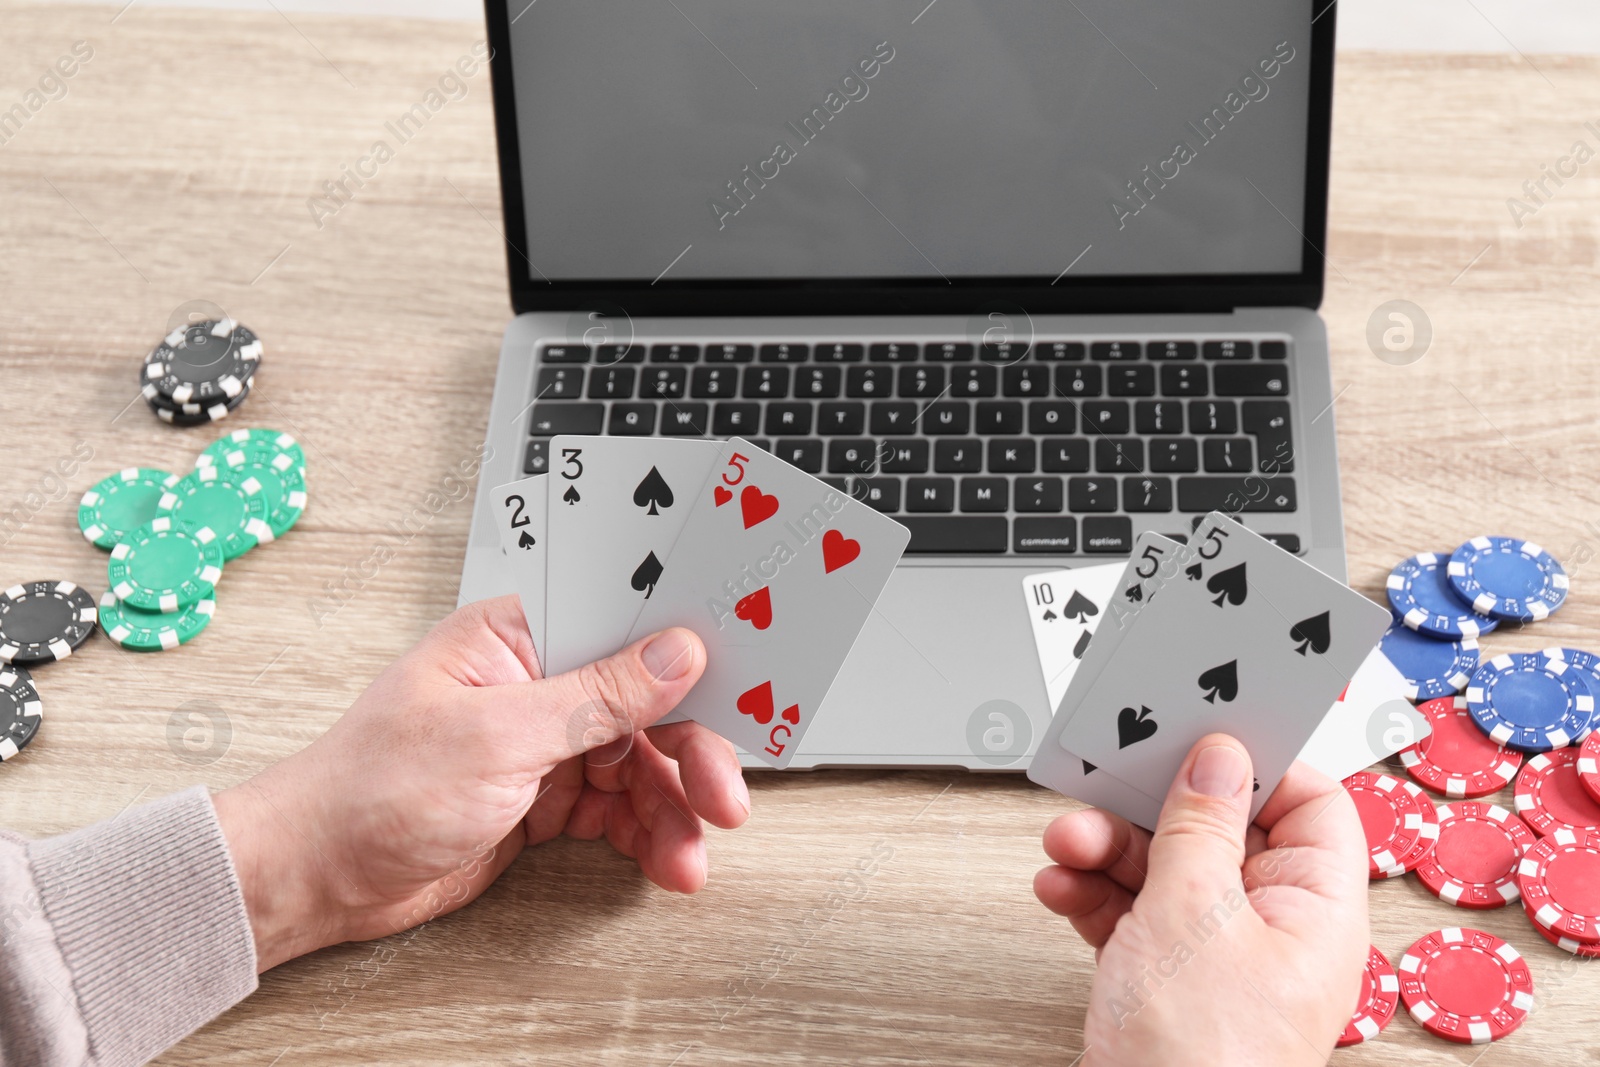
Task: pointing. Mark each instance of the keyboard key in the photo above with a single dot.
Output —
(1053, 535)
(664, 383)
(999, 416)
(868, 381)
(551, 418)
(1158, 416)
(1027, 379)
(674, 353)
(730, 353)
(1076, 380)
(890, 417)
(1176, 455)
(844, 417)
(611, 383)
(1058, 351)
(1092, 494)
(1228, 349)
(894, 352)
(564, 354)
(1105, 416)
(904, 456)
(632, 419)
(973, 381)
(802, 452)
(985, 494)
(818, 383)
(769, 382)
(1251, 380)
(788, 418)
(1213, 416)
(1038, 494)
(714, 382)
(1268, 421)
(1136, 379)
(1169, 350)
(1147, 494)
(837, 352)
(947, 417)
(880, 494)
(958, 457)
(1011, 455)
(921, 383)
(1064, 455)
(1112, 350)
(1287, 542)
(851, 455)
(536, 457)
(930, 494)
(684, 419)
(1180, 380)
(947, 352)
(1231, 455)
(785, 352)
(763, 443)
(1232, 494)
(955, 534)
(1052, 416)
(1278, 350)
(735, 420)
(1109, 534)
(612, 355)
(1119, 455)
(559, 383)
(1002, 351)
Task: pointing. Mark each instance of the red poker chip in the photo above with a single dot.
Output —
(1560, 882)
(1427, 832)
(1577, 948)
(1380, 996)
(1458, 759)
(1391, 819)
(1474, 862)
(1465, 985)
(1589, 765)
(1550, 795)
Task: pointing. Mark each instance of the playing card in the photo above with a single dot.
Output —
(615, 507)
(1371, 719)
(520, 518)
(1064, 608)
(777, 572)
(1251, 642)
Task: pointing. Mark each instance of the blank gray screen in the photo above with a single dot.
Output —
(742, 139)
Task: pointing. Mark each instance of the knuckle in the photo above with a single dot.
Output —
(608, 688)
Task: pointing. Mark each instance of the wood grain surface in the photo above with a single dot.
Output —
(178, 167)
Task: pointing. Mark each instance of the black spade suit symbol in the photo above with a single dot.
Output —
(1134, 726)
(526, 540)
(1134, 593)
(571, 495)
(1082, 645)
(1195, 571)
(1229, 585)
(653, 492)
(1313, 632)
(1221, 681)
(1079, 608)
(646, 576)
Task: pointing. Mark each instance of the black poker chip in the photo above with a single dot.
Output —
(194, 413)
(41, 622)
(20, 711)
(206, 363)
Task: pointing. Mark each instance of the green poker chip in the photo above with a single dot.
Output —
(235, 509)
(121, 503)
(271, 473)
(165, 565)
(152, 631)
(238, 439)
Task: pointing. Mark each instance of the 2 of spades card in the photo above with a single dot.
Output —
(777, 572)
(1250, 641)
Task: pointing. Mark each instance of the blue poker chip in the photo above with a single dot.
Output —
(1421, 593)
(1432, 668)
(1531, 702)
(1508, 579)
(1589, 665)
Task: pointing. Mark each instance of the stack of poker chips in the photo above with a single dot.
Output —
(200, 373)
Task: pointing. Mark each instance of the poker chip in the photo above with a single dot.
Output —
(1585, 662)
(122, 502)
(1427, 832)
(1550, 796)
(1588, 765)
(274, 474)
(1560, 882)
(165, 565)
(1391, 819)
(206, 363)
(1465, 985)
(194, 412)
(41, 622)
(236, 509)
(1507, 579)
(152, 631)
(20, 711)
(1431, 667)
(1380, 996)
(1577, 948)
(1457, 758)
(238, 439)
(1421, 593)
(1530, 702)
(1474, 862)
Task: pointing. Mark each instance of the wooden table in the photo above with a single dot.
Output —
(178, 167)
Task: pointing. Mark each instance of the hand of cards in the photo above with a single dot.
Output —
(775, 571)
(1226, 634)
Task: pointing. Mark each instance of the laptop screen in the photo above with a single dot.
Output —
(841, 139)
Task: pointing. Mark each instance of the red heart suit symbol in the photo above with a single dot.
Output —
(758, 507)
(756, 609)
(721, 495)
(838, 550)
(791, 714)
(757, 703)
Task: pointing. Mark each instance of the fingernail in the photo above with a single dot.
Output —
(1218, 772)
(668, 656)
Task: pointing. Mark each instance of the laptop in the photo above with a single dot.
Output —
(1032, 278)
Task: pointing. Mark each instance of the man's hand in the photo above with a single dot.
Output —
(457, 757)
(1219, 943)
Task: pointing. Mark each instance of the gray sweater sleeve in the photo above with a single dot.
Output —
(119, 939)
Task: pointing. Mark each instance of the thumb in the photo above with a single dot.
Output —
(602, 701)
(1199, 839)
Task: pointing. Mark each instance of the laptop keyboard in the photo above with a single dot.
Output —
(977, 449)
